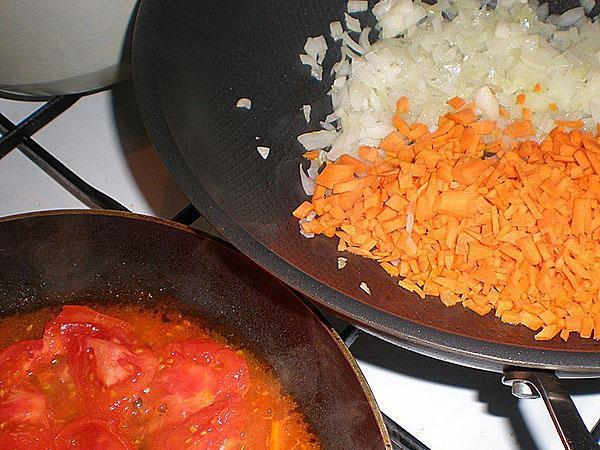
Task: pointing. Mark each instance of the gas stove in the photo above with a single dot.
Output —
(93, 152)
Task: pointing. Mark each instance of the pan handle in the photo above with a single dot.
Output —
(564, 414)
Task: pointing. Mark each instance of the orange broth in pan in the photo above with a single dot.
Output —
(127, 378)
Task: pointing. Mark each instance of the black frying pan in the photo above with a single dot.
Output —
(191, 64)
(49, 259)
(192, 61)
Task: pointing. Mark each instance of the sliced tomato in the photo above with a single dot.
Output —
(109, 366)
(91, 434)
(20, 361)
(76, 321)
(193, 375)
(23, 407)
(110, 376)
(217, 427)
(199, 365)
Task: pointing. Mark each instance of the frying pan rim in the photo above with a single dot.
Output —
(331, 333)
(455, 348)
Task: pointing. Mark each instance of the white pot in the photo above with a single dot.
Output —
(53, 47)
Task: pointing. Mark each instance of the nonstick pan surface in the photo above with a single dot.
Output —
(192, 62)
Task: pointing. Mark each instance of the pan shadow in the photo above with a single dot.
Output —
(155, 183)
(500, 402)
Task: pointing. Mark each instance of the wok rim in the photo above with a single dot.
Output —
(444, 345)
(309, 308)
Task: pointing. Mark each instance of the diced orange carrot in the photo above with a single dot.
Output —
(537, 88)
(417, 131)
(368, 153)
(570, 123)
(516, 233)
(456, 102)
(401, 125)
(503, 112)
(463, 117)
(402, 105)
(312, 154)
(303, 210)
(547, 333)
(581, 214)
(521, 99)
(484, 126)
(359, 166)
(519, 129)
(357, 184)
(553, 107)
(468, 170)
(335, 173)
(455, 203)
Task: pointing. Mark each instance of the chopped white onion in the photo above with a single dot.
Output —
(486, 56)
(316, 71)
(587, 5)
(487, 103)
(571, 17)
(244, 103)
(352, 23)
(263, 151)
(352, 44)
(543, 11)
(316, 47)
(308, 184)
(306, 110)
(331, 118)
(336, 30)
(317, 140)
(327, 126)
(363, 39)
(365, 288)
(357, 6)
(306, 235)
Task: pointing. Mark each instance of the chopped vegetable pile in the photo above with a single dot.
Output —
(475, 213)
(456, 47)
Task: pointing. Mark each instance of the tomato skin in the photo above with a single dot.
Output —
(21, 406)
(217, 427)
(193, 375)
(200, 365)
(90, 434)
(109, 366)
(24, 416)
(75, 321)
(20, 360)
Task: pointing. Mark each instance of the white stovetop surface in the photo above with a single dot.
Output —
(102, 139)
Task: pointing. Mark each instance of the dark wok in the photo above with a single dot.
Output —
(191, 63)
(88, 257)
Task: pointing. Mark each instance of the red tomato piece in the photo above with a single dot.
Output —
(23, 407)
(75, 321)
(110, 367)
(193, 375)
(110, 376)
(91, 434)
(20, 360)
(25, 439)
(218, 427)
